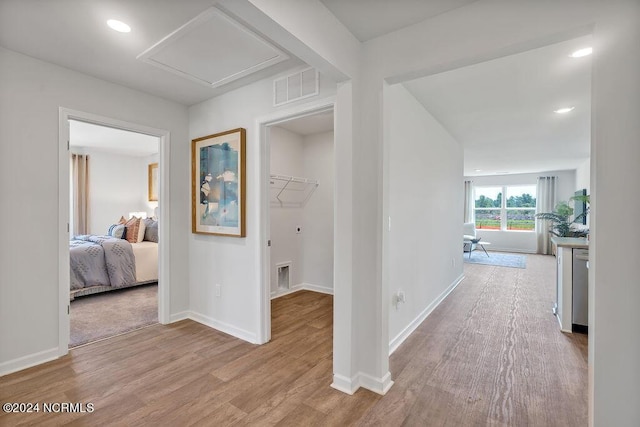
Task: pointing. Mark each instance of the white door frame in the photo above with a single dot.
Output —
(264, 303)
(164, 294)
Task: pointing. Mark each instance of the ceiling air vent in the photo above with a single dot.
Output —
(293, 87)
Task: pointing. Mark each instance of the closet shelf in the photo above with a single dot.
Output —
(291, 191)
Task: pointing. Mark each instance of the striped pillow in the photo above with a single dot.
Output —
(117, 231)
(135, 230)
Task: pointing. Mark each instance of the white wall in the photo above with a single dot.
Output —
(112, 195)
(424, 170)
(286, 245)
(494, 28)
(318, 212)
(583, 176)
(31, 92)
(234, 263)
(521, 241)
(614, 341)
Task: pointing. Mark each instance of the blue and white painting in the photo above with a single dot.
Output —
(219, 163)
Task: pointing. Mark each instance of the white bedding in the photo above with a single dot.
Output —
(146, 254)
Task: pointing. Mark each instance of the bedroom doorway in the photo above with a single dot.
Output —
(117, 292)
(132, 166)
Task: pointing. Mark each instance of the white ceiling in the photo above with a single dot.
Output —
(74, 34)
(502, 111)
(308, 125)
(367, 19)
(111, 140)
(200, 50)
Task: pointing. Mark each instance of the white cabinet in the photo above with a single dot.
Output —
(564, 288)
(563, 307)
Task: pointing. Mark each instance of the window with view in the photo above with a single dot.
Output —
(511, 208)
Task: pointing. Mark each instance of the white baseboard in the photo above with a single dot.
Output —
(376, 385)
(404, 334)
(351, 385)
(345, 384)
(28, 361)
(302, 287)
(176, 317)
(317, 288)
(224, 327)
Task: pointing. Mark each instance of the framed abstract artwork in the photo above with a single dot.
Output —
(218, 184)
(153, 182)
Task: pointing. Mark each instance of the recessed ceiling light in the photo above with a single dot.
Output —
(582, 52)
(118, 26)
(478, 170)
(564, 110)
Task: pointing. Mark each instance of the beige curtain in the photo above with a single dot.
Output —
(79, 194)
(468, 201)
(545, 202)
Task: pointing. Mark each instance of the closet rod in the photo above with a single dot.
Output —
(290, 179)
(294, 179)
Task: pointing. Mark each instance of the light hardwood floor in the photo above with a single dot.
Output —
(490, 354)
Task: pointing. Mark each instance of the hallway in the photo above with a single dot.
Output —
(490, 354)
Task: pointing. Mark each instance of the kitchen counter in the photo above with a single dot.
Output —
(571, 242)
(563, 307)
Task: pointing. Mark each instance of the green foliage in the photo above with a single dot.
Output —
(560, 218)
(523, 201)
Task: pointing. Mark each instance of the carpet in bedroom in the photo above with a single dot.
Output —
(99, 316)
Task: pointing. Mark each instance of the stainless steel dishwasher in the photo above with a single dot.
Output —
(580, 285)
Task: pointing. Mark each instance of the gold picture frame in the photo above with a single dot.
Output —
(153, 182)
(218, 180)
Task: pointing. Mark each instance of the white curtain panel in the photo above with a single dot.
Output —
(468, 201)
(546, 202)
(79, 193)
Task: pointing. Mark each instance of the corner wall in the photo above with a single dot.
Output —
(425, 212)
(310, 251)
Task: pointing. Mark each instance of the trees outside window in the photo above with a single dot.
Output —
(506, 208)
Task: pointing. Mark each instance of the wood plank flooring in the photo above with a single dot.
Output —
(490, 354)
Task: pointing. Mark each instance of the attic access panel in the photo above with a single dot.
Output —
(213, 49)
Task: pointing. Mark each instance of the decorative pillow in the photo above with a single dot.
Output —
(151, 230)
(135, 230)
(122, 220)
(117, 230)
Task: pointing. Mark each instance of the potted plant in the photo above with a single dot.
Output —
(562, 225)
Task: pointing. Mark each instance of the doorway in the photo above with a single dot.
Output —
(116, 292)
(297, 205)
(162, 210)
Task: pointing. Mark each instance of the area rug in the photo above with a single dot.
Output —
(99, 316)
(496, 258)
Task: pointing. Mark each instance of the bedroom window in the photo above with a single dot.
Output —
(506, 207)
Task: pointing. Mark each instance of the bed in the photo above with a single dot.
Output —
(107, 262)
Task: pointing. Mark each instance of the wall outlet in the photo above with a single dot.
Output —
(217, 290)
(401, 297)
(298, 229)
